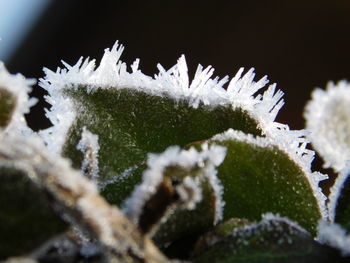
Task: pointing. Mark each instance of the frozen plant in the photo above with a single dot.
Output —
(159, 169)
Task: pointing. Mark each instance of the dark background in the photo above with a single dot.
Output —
(299, 44)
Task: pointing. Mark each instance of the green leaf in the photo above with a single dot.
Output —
(274, 239)
(258, 177)
(219, 233)
(27, 219)
(7, 107)
(131, 123)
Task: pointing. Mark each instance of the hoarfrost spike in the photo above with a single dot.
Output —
(174, 83)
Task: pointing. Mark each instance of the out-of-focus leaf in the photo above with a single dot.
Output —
(27, 219)
(273, 240)
(77, 198)
(218, 234)
(328, 119)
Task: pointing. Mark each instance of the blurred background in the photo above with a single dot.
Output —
(299, 44)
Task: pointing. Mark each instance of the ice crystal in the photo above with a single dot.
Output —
(270, 222)
(328, 118)
(89, 146)
(335, 236)
(19, 87)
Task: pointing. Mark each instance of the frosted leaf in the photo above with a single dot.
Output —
(89, 146)
(243, 95)
(328, 119)
(270, 223)
(266, 176)
(16, 89)
(24, 204)
(299, 157)
(273, 239)
(335, 236)
(206, 161)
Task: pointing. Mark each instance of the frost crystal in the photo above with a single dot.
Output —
(89, 146)
(335, 236)
(190, 192)
(174, 156)
(328, 118)
(298, 156)
(271, 223)
(336, 190)
(19, 87)
(175, 83)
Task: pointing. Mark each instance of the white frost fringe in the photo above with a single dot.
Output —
(270, 222)
(335, 236)
(153, 176)
(19, 86)
(336, 191)
(328, 118)
(89, 146)
(241, 92)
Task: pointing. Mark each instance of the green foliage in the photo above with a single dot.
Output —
(26, 216)
(271, 240)
(260, 179)
(187, 188)
(131, 124)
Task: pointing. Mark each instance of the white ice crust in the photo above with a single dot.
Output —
(328, 119)
(269, 222)
(20, 87)
(210, 157)
(335, 236)
(336, 190)
(89, 146)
